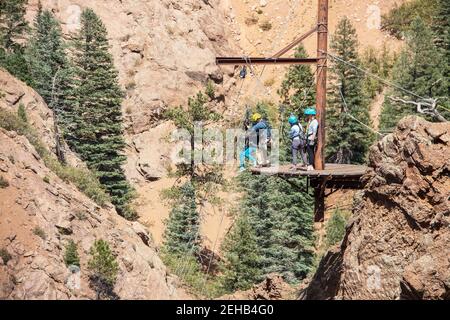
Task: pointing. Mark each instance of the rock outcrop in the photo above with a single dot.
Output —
(272, 288)
(164, 51)
(14, 93)
(40, 213)
(397, 244)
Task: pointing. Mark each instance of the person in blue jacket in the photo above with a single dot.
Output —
(253, 137)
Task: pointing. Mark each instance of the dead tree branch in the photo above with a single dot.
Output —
(425, 106)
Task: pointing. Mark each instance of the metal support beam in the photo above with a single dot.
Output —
(321, 101)
(294, 43)
(296, 186)
(246, 61)
(319, 203)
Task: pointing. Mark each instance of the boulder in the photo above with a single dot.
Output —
(397, 245)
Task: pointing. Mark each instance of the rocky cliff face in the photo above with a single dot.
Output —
(165, 52)
(397, 245)
(39, 213)
(272, 288)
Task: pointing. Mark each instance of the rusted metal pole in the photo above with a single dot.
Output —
(294, 43)
(319, 202)
(260, 60)
(322, 49)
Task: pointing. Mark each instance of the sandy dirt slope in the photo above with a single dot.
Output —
(216, 220)
(290, 19)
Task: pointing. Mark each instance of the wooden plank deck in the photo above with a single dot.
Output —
(331, 170)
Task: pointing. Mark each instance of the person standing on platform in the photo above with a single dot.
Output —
(297, 136)
(311, 136)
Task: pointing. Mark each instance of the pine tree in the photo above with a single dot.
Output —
(13, 25)
(399, 20)
(71, 257)
(198, 112)
(97, 134)
(441, 28)
(297, 92)
(104, 269)
(414, 72)
(241, 265)
(298, 89)
(182, 232)
(290, 253)
(347, 141)
(281, 218)
(335, 229)
(13, 32)
(52, 75)
(182, 238)
(47, 56)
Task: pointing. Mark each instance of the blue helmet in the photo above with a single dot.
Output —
(293, 120)
(310, 112)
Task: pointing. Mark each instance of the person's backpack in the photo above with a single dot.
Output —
(302, 134)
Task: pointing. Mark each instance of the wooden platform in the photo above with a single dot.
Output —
(331, 170)
(333, 178)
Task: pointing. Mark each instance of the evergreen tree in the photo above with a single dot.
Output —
(13, 32)
(335, 229)
(46, 55)
(51, 72)
(97, 134)
(298, 86)
(290, 253)
(182, 232)
(104, 269)
(379, 64)
(13, 25)
(182, 238)
(281, 218)
(414, 71)
(441, 28)
(71, 257)
(21, 113)
(241, 264)
(198, 112)
(347, 141)
(297, 92)
(399, 20)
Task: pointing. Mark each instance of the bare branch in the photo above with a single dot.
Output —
(424, 106)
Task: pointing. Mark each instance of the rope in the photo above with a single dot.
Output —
(240, 90)
(387, 82)
(310, 87)
(351, 116)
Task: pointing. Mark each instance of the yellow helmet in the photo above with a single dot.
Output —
(256, 117)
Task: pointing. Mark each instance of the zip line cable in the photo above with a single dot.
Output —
(387, 82)
(352, 117)
(317, 72)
